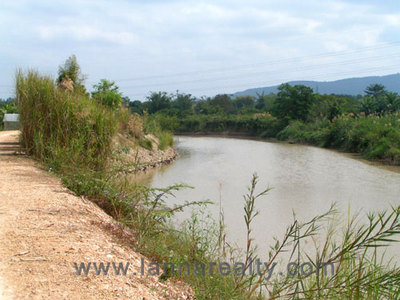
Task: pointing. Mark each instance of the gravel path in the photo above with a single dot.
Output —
(44, 229)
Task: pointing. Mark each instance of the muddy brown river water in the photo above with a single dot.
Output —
(305, 180)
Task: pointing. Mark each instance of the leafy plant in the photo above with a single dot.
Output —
(107, 93)
(146, 143)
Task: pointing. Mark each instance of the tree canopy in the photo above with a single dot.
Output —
(375, 90)
(157, 101)
(293, 102)
(107, 93)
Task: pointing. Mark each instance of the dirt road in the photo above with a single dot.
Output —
(45, 229)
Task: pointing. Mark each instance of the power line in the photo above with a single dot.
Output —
(390, 45)
(277, 81)
(240, 76)
(272, 62)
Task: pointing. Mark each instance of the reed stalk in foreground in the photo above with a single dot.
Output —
(346, 265)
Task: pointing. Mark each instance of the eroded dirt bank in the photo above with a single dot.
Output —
(45, 229)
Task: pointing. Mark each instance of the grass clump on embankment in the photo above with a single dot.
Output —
(160, 130)
(61, 128)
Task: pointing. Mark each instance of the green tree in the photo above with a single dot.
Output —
(107, 93)
(204, 107)
(157, 101)
(222, 103)
(335, 108)
(183, 102)
(379, 101)
(369, 105)
(375, 90)
(393, 101)
(136, 106)
(72, 71)
(244, 102)
(293, 102)
(328, 106)
(265, 102)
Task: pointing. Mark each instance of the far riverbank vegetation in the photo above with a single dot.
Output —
(368, 124)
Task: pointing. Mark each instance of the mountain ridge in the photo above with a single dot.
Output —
(348, 86)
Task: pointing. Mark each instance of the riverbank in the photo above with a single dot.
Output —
(45, 229)
(375, 136)
(130, 153)
(359, 156)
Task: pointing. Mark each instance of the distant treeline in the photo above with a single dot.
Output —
(368, 124)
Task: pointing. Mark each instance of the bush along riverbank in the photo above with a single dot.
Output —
(376, 137)
(72, 134)
(368, 124)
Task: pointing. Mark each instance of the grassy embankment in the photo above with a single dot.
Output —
(71, 134)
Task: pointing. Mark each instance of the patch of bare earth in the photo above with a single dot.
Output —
(45, 229)
(144, 159)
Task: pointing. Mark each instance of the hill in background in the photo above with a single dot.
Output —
(350, 86)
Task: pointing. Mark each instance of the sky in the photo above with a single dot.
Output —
(200, 47)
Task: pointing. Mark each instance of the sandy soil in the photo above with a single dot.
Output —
(44, 229)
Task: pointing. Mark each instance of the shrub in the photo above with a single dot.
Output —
(166, 140)
(248, 124)
(307, 133)
(107, 93)
(376, 137)
(146, 143)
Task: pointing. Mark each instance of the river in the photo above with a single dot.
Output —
(304, 179)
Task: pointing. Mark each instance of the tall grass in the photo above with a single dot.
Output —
(60, 127)
(155, 126)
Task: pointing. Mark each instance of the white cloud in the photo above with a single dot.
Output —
(85, 33)
(392, 19)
